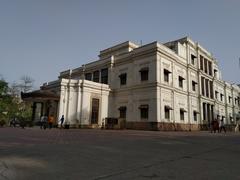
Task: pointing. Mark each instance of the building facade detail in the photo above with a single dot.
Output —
(171, 86)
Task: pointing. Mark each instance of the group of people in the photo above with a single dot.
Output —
(47, 121)
(218, 126)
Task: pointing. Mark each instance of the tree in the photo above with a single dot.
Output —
(15, 90)
(5, 102)
(11, 104)
(26, 83)
(3, 87)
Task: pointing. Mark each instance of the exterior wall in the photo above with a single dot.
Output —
(236, 103)
(180, 58)
(132, 100)
(132, 68)
(181, 103)
(166, 99)
(75, 101)
(228, 103)
(220, 109)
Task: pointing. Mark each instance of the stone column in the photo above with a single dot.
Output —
(212, 112)
(78, 108)
(188, 86)
(208, 114)
(62, 101)
(81, 103)
(33, 110)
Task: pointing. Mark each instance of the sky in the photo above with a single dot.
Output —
(40, 38)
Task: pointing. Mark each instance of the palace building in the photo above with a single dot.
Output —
(172, 86)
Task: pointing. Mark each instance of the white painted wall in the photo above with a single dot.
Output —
(75, 101)
(76, 95)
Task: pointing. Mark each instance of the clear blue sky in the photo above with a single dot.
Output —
(40, 38)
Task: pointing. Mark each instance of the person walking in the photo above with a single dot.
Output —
(61, 121)
(237, 127)
(212, 126)
(44, 122)
(50, 121)
(222, 126)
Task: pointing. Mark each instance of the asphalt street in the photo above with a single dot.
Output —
(32, 154)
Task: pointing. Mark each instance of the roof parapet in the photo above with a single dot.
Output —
(118, 49)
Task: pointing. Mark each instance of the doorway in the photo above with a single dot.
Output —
(95, 111)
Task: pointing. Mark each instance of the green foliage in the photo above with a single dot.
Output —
(11, 106)
(3, 87)
(4, 101)
(2, 123)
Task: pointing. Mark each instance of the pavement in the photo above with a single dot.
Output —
(61, 154)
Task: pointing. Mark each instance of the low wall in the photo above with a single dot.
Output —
(162, 126)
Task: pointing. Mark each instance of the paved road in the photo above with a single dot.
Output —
(114, 154)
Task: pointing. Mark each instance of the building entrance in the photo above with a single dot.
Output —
(95, 111)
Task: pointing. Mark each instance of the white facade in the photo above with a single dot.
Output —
(176, 85)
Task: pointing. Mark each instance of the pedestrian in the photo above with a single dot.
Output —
(212, 126)
(41, 121)
(50, 121)
(237, 128)
(215, 126)
(44, 122)
(61, 121)
(222, 126)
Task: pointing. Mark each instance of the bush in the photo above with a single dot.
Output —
(2, 123)
(25, 122)
(29, 123)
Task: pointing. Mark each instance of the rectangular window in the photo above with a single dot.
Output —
(204, 111)
(144, 74)
(123, 79)
(96, 76)
(144, 111)
(182, 111)
(202, 85)
(167, 112)
(201, 62)
(194, 85)
(215, 72)
(180, 81)
(193, 59)
(207, 87)
(210, 68)
(221, 97)
(122, 111)
(104, 76)
(88, 76)
(229, 99)
(166, 75)
(216, 94)
(205, 65)
(195, 115)
(211, 89)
